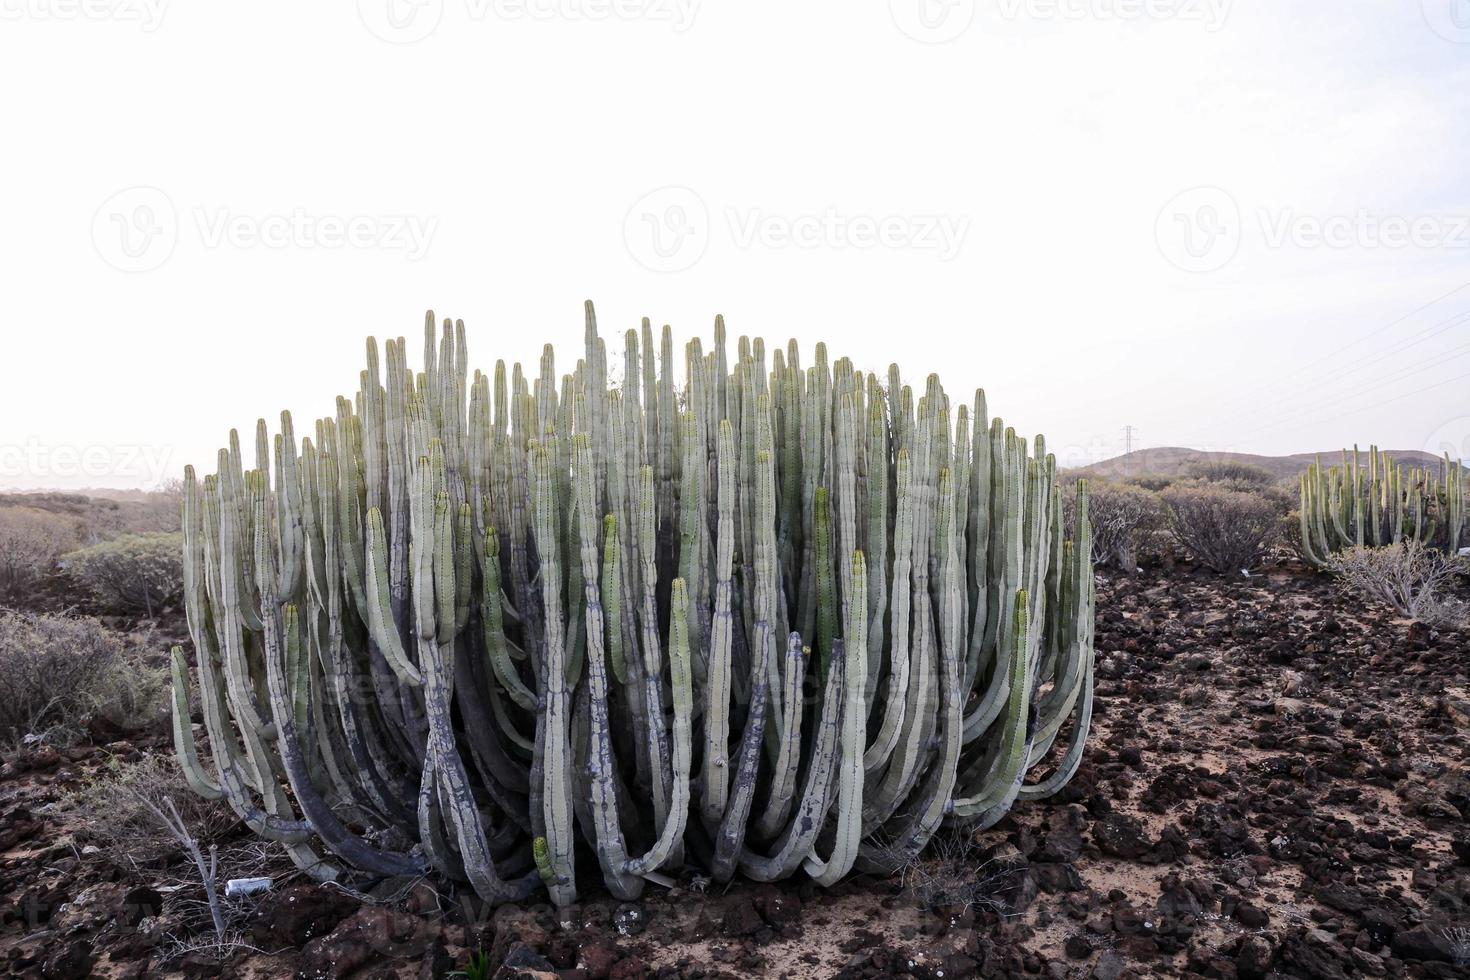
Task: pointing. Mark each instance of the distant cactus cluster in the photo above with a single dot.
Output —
(1379, 503)
(777, 619)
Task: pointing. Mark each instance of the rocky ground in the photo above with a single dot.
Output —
(1278, 785)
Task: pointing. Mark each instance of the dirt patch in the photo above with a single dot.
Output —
(1277, 784)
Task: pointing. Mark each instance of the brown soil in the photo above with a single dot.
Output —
(1278, 784)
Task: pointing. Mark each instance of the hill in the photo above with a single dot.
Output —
(1173, 461)
(102, 514)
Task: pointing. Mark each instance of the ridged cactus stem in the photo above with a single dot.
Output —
(854, 650)
(555, 697)
(825, 585)
(717, 683)
(184, 747)
(672, 830)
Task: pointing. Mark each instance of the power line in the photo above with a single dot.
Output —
(1430, 332)
(1402, 374)
(1366, 337)
(1387, 401)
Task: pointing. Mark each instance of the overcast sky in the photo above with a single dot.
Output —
(1232, 225)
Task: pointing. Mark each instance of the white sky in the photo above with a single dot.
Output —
(1004, 207)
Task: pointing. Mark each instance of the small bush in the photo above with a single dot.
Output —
(1151, 481)
(952, 876)
(55, 671)
(136, 573)
(1238, 476)
(1290, 532)
(31, 541)
(1408, 577)
(1121, 513)
(1225, 530)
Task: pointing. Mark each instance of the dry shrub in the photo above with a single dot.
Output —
(114, 812)
(55, 671)
(1121, 513)
(142, 815)
(1225, 530)
(1409, 578)
(136, 573)
(950, 875)
(1458, 939)
(31, 541)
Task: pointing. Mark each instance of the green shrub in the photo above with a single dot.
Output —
(1238, 476)
(1150, 481)
(31, 541)
(1226, 530)
(57, 670)
(136, 573)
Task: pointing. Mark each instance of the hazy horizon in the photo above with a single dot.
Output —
(1234, 226)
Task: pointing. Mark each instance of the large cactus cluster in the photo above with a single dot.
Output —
(779, 618)
(1358, 504)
